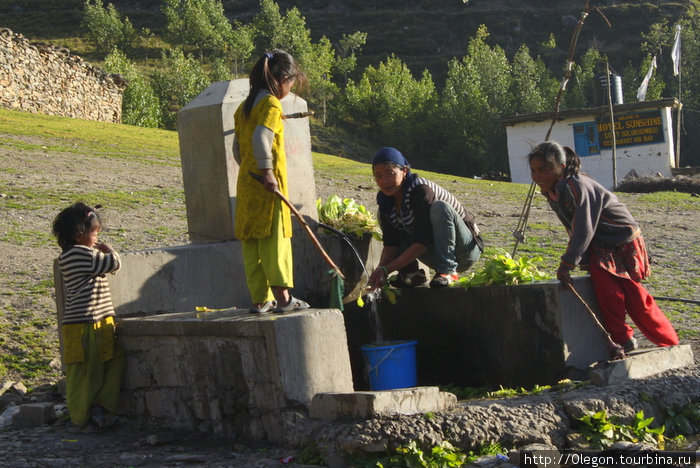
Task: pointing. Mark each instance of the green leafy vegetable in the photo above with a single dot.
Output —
(348, 216)
(501, 268)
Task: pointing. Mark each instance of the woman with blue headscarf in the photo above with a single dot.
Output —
(420, 221)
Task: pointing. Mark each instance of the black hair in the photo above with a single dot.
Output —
(74, 221)
(269, 72)
(554, 155)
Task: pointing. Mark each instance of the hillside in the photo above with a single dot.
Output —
(425, 34)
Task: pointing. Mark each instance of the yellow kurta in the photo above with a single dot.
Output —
(254, 205)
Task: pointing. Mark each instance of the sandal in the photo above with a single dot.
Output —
(294, 304)
(264, 308)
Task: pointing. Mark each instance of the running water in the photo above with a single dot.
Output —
(376, 324)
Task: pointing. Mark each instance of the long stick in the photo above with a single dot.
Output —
(614, 345)
(318, 245)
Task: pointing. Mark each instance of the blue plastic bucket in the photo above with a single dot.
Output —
(391, 364)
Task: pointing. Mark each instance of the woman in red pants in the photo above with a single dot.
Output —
(605, 238)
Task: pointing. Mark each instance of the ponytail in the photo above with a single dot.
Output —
(269, 72)
(573, 162)
(554, 155)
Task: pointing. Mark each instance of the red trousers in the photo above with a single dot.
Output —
(617, 296)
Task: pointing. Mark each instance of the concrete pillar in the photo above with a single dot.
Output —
(209, 172)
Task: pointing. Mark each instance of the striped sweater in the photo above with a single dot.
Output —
(413, 219)
(88, 299)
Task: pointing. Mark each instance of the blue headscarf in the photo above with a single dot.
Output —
(390, 155)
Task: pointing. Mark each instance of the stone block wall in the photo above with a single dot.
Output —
(230, 373)
(49, 80)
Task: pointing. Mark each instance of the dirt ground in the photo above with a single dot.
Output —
(33, 187)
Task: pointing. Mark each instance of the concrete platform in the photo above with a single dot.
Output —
(535, 333)
(642, 363)
(382, 403)
(230, 372)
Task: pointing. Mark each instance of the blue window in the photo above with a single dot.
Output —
(586, 138)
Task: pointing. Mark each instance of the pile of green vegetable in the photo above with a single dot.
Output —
(348, 216)
(501, 268)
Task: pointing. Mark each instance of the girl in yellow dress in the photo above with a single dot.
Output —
(263, 223)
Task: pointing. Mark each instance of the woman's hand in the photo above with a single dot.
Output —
(564, 274)
(269, 180)
(377, 278)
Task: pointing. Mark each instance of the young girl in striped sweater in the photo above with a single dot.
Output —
(93, 359)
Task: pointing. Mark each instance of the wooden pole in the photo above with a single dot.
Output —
(612, 126)
(678, 121)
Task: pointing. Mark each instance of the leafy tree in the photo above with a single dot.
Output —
(179, 79)
(392, 105)
(198, 24)
(348, 45)
(241, 46)
(529, 93)
(220, 70)
(289, 33)
(105, 28)
(140, 105)
(476, 95)
(580, 90)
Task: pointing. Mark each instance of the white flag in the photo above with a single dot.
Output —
(642, 91)
(676, 51)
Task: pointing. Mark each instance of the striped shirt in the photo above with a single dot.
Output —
(88, 299)
(413, 218)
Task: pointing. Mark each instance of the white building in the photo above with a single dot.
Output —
(643, 139)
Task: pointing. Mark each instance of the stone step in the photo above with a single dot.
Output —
(641, 363)
(414, 400)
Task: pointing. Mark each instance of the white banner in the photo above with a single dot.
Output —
(676, 51)
(642, 91)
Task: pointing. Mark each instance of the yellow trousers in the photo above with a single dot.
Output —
(268, 261)
(95, 365)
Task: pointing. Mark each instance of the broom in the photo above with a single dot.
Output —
(337, 277)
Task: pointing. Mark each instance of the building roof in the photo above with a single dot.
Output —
(599, 110)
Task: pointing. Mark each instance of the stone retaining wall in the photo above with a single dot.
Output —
(49, 80)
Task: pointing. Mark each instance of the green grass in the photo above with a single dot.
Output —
(63, 134)
(28, 237)
(675, 201)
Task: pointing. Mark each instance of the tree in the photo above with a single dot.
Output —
(348, 45)
(392, 105)
(198, 24)
(105, 28)
(140, 106)
(527, 87)
(289, 33)
(241, 46)
(179, 80)
(581, 88)
(476, 95)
